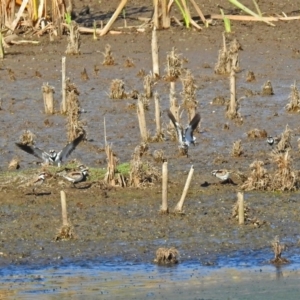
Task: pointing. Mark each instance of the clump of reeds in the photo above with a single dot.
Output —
(189, 101)
(257, 133)
(128, 63)
(174, 65)
(267, 89)
(142, 173)
(167, 256)
(112, 176)
(158, 156)
(14, 164)
(148, 85)
(74, 124)
(294, 104)
(237, 149)
(27, 138)
(259, 178)
(145, 100)
(48, 92)
(108, 57)
(117, 89)
(66, 232)
(228, 58)
(84, 75)
(250, 76)
(159, 136)
(141, 73)
(284, 143)
(284, 177)
(73, 47)
(219, 100)
(278, 248)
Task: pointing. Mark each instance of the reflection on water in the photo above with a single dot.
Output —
(148, 281)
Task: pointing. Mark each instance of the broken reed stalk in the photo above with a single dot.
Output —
(64, 208)
(166, 20)
(154, 47)
(157, 114)
(48, 92)
(164, 206)
(142, 120)
(179, 205)
(1, 47)
(240, 196)
(63, 81)
(232, 93)
(73, 47)
(113, 18)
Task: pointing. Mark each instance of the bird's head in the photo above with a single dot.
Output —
(53, 154)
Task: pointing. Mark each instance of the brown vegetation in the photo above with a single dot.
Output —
(278, 248)
(166, 256)
(294, 104)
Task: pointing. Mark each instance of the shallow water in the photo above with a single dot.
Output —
(232, 279)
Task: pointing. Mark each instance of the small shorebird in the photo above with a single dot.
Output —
(273, 140)
(185, 136)
(222, 174)
(53, 157)
(37, 182)
(77, 176)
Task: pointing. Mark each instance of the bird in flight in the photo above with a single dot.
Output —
(185, 136)
(53, 157)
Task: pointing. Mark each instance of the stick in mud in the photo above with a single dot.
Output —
(63, 89)
(64, 208)
(154, 47)
(164, 207)
(240, 196)
(179, 205)
(142, 120)
(48, 92)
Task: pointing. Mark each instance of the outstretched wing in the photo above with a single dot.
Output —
(34, 151)
(190, 129)
(177, 126)
(64, 153)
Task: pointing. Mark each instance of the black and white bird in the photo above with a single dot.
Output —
(38, 181)
(222, 174)
(53, 157)
(273, 140)
(77, 176)
(185, 136)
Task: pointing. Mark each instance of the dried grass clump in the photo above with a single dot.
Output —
(174, 65)
(267, 89)
(278, 248)
(66, 232)
(232, 112)
(27, 138)
(189, 101)
(284, 143)
(74, 124)
(257, 133)
(128, 63)
(117, 89)
(84, 75)
(250, 76)
(73, 47)
(237, 149)
(228, 58)
(158, 156)
(259, 178)
(148, 85)
(145, 100)
(294, 104)
(284, 178)
(167, 256)
(108, 58)
(142, 173)
(14, 164)
(219, 100)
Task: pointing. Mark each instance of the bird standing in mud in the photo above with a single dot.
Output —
(185, 136)
(273, 140)
(222, 174)
(53, 157)
(77, 176)
(37, 182)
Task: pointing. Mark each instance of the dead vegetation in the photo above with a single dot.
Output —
(257, 133)
(174, 65)
(117, 89)
(148, 85)
(48, 92)
(267, 89)
(73, 47)
(219, 100)
(284, 143)
(278, 249)
(66, 232)
(167, 256)
(294, 104)
(108, 57)
(27, 138)
(14, 164)
(228, 58)
(128, 63)
(74, 124)
(250, 76)
(158, 156)
(237, 149)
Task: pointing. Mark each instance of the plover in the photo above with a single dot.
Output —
(273, 140)
(38, 181)
(77, 176)
(222, 174)
(53, 157)
(185, 136)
